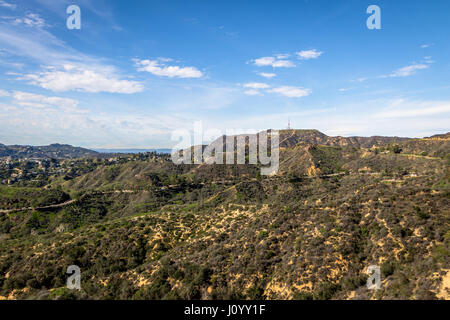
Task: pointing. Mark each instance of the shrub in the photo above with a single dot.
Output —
(388, 268)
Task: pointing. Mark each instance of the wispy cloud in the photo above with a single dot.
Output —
(32, 20)
(252, 92)
(38, 45)
(309, 54)
(400, 117)
(227, 33)
(426, 45)
(404, 71)
(292, 92)
(407, 71)
(256, 85)
(362, 79)
(282, 55)
(273, 62)
(413, 109)
(65, 69)
(159, 68)
(281, 60)
(4, 93)
(256, 88)
(38, 119)
(428, 59)
(26, 99)
(8, 5)
(267, 75)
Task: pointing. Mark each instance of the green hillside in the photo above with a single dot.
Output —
(149, 229)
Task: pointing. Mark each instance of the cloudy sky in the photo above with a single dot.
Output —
(138, 70)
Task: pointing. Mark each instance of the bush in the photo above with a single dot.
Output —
(256, 292)
(326, 291)
(303, 295)
(388, 268)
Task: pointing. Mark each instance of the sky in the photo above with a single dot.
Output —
(137, 71)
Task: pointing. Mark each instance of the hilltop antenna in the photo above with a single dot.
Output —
(289, 124)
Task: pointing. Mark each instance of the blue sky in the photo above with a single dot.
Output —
(138, 70)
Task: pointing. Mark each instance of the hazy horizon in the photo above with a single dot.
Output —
(124, 148)
(135, 73)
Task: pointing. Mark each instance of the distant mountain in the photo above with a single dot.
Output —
(133, 150)
(441, 136)
(55, 151)
(292, 138)
(288, 139)
(297, 138)
(310, 152)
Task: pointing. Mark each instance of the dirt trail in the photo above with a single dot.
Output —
(224, 182)
(38, 208)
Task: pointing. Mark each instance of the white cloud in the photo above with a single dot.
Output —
(281, 60)
(267, 75)
(282, 56)
(26, 99)
(163, 59)
(292, 92)
(6, 108)
(39, 45)
(159, 68)
(256, 85)
(5, 4)
(283, 64)
(408, 70)
(4, 93)
(359, 80)
(428, 59)
(38, 119)
(30, 20)
(252, 92)
(287, 91)
(404, 109)
(426, 45)
(308, 54)
(83, 78)
(391, 120)
(274, 62)
(70, 69)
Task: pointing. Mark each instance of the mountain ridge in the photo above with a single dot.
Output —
(52, 151)
(288, 139)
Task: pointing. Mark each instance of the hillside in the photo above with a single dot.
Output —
(115, 151)
(53, 151)
(292, 138)
(149, 229)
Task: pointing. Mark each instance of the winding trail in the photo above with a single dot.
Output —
(59, 205)
(217, 182)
